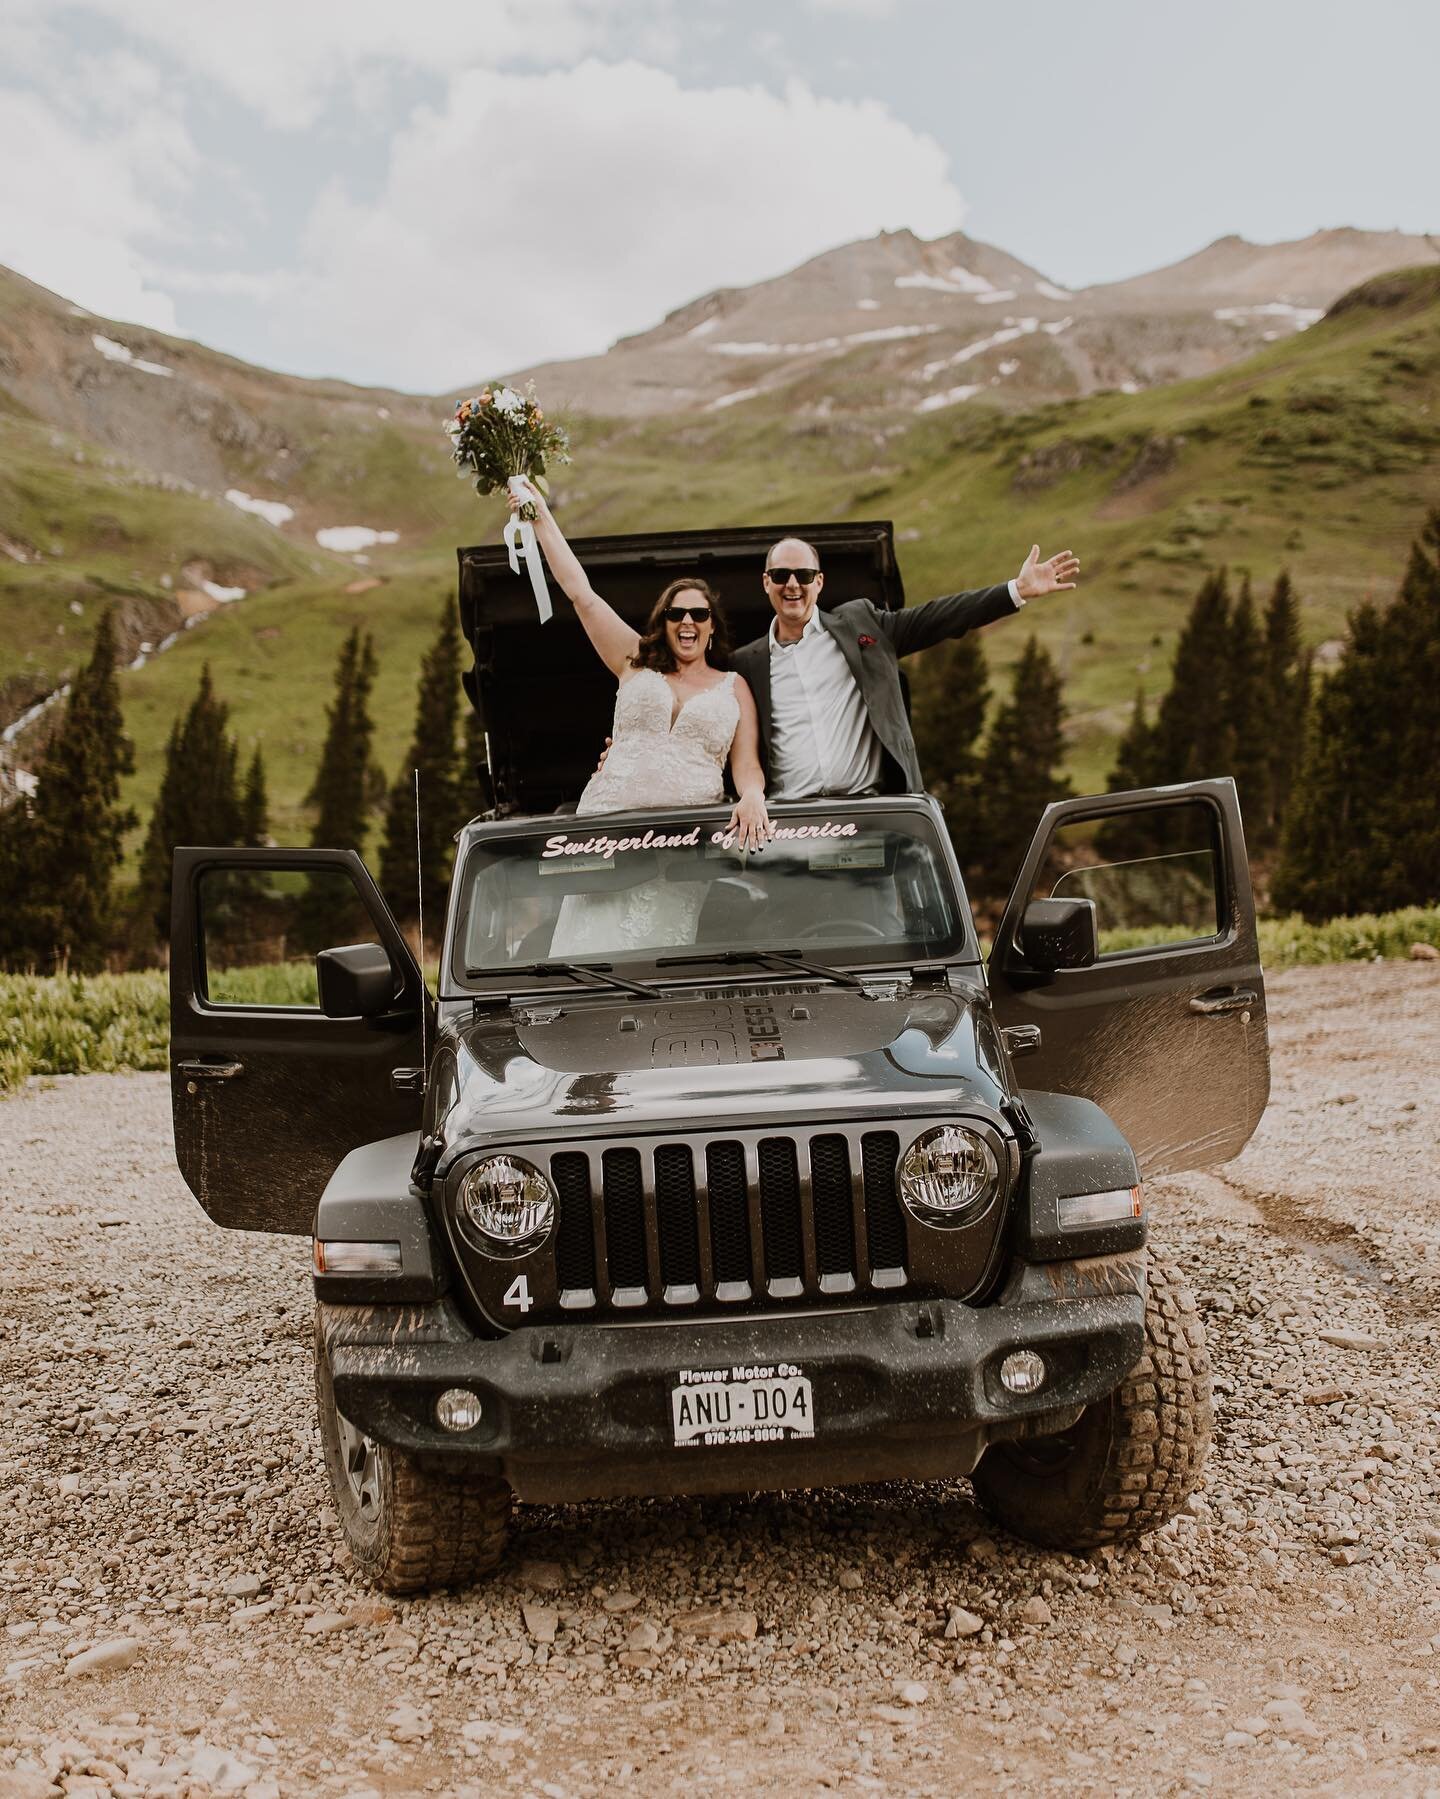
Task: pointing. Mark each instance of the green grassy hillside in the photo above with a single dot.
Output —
(1319, 454)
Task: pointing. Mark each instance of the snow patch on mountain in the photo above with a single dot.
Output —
(951, 397)
(274, 512)
(1302, 317)
(348, 540)
(113, 352)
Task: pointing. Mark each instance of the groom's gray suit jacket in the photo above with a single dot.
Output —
(872, 641)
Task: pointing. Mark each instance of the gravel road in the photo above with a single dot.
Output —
(179, 1616)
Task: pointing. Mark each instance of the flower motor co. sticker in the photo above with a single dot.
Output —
(717, 1406)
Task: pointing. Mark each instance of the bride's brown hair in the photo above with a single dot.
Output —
(653, 649)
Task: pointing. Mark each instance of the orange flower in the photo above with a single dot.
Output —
(485, 397)
(538, 415)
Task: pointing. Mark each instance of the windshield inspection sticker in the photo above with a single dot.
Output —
(714, 1406)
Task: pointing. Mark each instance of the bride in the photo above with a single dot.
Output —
(678, 719)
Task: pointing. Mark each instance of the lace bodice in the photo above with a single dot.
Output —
(656, 762)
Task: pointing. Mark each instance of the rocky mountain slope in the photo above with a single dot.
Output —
(251, 519)
(898, 323)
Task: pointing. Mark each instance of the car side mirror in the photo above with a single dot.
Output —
(1059, 933)
(356, 981)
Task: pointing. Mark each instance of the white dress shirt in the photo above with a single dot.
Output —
(820, 735)
(821, 739)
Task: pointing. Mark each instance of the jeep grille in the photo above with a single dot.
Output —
(745, 1218)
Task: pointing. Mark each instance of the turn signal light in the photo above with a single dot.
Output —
(357, 1258)
(1082, 1211)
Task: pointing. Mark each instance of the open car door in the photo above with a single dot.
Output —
(269, 1093)
(1165, 1029)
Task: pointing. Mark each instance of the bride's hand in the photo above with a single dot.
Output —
(750, 821)
(529, 492)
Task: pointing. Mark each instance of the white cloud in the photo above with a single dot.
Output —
(538, 216)
(98, 184)
(857, 9)
(284, 60)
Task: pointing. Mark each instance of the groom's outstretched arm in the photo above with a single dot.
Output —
(917, 627)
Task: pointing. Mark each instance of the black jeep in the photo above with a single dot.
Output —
(765, 1203)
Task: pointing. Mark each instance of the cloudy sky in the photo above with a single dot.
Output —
(416, 192)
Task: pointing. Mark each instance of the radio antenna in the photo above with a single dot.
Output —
(420, 925)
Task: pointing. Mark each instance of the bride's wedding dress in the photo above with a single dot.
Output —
(658, 757)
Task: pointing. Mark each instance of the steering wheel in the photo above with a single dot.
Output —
(842, 927)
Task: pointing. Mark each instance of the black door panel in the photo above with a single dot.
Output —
(268, 1093)
(1166, 1029)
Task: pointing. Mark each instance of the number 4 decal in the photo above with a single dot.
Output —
(518, 1293)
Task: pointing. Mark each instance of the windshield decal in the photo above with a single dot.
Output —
(606, 848)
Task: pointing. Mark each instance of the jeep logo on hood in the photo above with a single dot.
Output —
(717, 1035)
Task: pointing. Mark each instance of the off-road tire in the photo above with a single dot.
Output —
(422, 1529)
(1132, 1460)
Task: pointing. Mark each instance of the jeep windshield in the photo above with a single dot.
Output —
(670, 894)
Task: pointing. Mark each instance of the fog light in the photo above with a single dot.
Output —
(1022, 1371)
(458, 1408)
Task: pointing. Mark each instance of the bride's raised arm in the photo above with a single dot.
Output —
(614, 640)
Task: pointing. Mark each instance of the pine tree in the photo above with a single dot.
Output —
(255, 805)
(345, 780)
(1287, 674)
(71, 837)
(1192, 739)
(342, 795)
(199, 800)
(1248, 704)
(951, 692)
(1134, 754)
(443, 806)
(1019, 774)
(1363, 831)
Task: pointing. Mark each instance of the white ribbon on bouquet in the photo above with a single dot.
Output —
(520, 542)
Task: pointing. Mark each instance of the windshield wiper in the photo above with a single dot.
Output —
(596, 973)
(788, 959)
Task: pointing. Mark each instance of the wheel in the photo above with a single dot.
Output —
(1130, 1461)
(409, 1529)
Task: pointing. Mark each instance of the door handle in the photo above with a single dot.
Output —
(1210, 1003)
(210, 1071)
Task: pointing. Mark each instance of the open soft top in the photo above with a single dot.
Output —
(542, 695)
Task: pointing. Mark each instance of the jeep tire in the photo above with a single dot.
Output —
(408, 1527)
(1131, 1460)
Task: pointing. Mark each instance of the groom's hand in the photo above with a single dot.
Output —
(1055, 576)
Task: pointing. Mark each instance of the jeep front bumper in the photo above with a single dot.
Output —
(901, 1391)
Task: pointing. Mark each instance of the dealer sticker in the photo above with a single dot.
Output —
(714, 1406)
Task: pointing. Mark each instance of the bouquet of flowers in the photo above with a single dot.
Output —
(502, 433)
(503, 439)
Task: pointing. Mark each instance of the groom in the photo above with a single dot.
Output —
(827, 685)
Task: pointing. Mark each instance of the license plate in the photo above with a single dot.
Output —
(742, 1405)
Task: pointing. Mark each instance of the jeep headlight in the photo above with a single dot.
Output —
(510, 1204)
(949, 1176)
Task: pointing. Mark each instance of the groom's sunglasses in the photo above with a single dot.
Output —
(673, 615)
(781, 576)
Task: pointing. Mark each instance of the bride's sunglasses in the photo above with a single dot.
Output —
(674, 615)
(781, 576)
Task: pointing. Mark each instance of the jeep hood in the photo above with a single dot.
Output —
(734, 1056)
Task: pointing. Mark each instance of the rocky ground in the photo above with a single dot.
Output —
(179, 1616)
